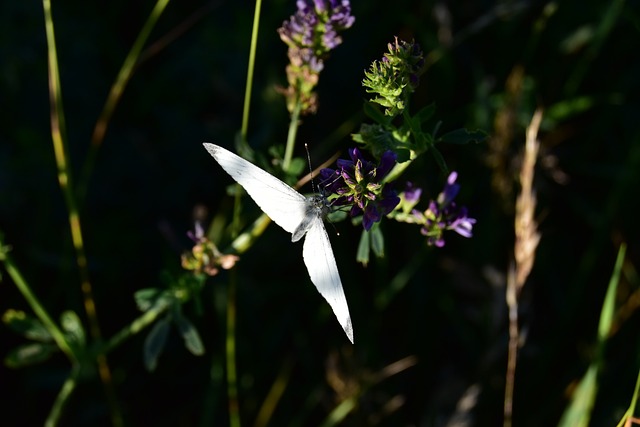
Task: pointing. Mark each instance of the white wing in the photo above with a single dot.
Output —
(288, 208)
(319, 259)
(284, 205)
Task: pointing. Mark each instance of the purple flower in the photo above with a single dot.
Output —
(358, 183)
(443, 214)
(311, 33)
(412, 193)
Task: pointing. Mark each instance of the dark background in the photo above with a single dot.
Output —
(580, 64)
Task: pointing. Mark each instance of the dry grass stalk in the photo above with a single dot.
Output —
(527, 239)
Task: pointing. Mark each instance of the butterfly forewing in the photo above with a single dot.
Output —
(284, 205)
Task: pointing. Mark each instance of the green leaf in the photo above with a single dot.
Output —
(29, 354)
(439, 160)
(463, 136)
(148, 297)
(364, 247)
(27, 326)
(72, 326)
(609, 304)
(425, 113)
(297, 166)
(190, 334)
(374, 113)
(337, 216)
(377, 240)
(578, 414)
(155, 342)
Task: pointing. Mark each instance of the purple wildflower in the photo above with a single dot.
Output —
(358, 183)
(310, 34)
(443, 214)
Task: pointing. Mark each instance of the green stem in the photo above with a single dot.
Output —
(230, 349)
(291, 136)
(133, 328)
(115, 93)
(250, 69)
(63, 396)
(36, 306)
(58, 137)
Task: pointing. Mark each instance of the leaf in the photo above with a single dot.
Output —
(27, 326)
(578, 413)
(29, 354)
(374, 113)
(148, 297)
(377, 240)
(463, 136)
(439, 160)
(72, 325)
(608, 306)
(189, 333)
(568, 108)
(297, 166)
(425, 113)
(155, 342)
(364, 247)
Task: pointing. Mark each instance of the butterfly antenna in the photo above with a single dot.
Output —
(313, 185)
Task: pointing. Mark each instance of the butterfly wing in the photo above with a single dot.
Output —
(319, 259)
(284, 205)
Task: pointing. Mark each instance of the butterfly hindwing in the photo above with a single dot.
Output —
(321, 264)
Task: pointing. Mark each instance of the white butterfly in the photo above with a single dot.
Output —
(299, 215)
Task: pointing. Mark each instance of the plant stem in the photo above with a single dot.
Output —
(291, 136)
(250, 69)
(115, 93)
(63, 396)
(58, 136)
(35, 305)
(230, 348)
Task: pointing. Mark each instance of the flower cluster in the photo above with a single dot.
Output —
(395, 77)
(441, 215)
(205, 256)
(310, 34)
(358, 183)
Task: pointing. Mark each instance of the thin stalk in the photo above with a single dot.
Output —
(63, 396)
(230, 349)
(58, 136)
(291, 136)
(230, 341)
(133, 328)
(115, 93)
(250, 69)
(36, 306)
(526, 242)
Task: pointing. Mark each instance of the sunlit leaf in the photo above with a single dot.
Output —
(578, 413)
(377, 241)
(72, 325)
(364, 247)
(25, 325)
(29, 354)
